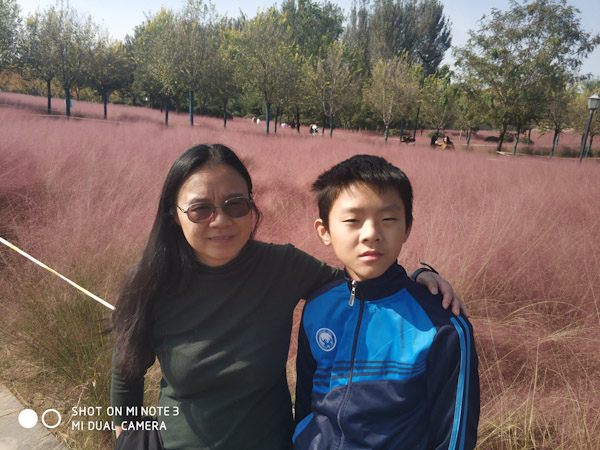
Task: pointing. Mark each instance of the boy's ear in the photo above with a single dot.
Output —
(322, 232)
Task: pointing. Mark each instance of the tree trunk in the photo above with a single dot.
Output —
(166, 112)
(104, 100)
(268, 118)
(191, 102)
(529, 137)
(468, 138)
(517, 140)
(401, 131)
(68, 101)
(554, 142)
(331, 121)
(417, 122)
(49, 97)
(297, 118)
(387, 130)
(225, 113)
(275, 121)
(501, 140)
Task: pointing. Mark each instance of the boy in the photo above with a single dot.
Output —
(380, 365)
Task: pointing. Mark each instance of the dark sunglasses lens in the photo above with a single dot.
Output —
(198, 213)
(237, 207)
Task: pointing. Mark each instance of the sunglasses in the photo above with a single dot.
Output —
(234, 208)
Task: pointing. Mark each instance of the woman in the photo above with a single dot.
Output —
(215, 306)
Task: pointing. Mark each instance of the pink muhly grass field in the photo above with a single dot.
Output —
(518, 238)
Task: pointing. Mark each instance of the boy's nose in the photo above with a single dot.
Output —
(369, 232)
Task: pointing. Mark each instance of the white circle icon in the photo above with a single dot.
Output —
(28, 418)
(44, 418)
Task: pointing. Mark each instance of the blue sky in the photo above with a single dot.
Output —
(120, 17)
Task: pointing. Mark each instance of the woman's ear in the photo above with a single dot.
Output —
(322, 232)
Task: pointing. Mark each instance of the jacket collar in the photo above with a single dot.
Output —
(391, 281)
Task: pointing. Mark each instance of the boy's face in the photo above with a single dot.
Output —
(366, 229)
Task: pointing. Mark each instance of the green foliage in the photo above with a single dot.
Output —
(109, 68)
(330, 82)
(393, 89)
(517, 71)
(418, 28)
(267, 53)
(519, 55)
(10, 30)
(313, 26)
(439, 100)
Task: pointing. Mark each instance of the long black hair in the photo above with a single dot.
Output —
(165, 261)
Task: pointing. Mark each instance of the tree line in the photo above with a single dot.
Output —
(304, 62)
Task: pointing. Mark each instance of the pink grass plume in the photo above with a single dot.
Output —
(41, 264)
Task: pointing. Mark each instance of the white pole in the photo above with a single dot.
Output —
(41, 264)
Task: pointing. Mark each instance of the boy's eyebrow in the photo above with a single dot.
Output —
(355, 209)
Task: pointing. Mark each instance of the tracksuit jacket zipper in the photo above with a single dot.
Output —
(352, 356)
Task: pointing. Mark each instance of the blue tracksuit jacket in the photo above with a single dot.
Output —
(385, 368)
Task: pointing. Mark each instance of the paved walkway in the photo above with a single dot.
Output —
(13, 436)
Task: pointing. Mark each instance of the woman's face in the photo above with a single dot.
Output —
(221, 238)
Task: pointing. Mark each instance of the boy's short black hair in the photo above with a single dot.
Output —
(371, 170)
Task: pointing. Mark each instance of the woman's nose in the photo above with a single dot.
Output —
(219, 218)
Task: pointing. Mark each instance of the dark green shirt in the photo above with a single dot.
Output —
(223, 344)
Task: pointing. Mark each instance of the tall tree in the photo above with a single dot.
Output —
(313, 26)
(195, 41)
(73, 37)
(331, 82)
(559, 111)
(39, 50)
(145, 84)
(393, 90)
(419, 28)
(266, 46)
(10, 30)
(515, 53)
(109, 68)
(224, 81)
(433, 35)
(438, 100)
(470, 109)
(157, 63)
(356, 35)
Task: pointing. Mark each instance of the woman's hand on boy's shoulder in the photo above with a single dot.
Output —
(435, 283)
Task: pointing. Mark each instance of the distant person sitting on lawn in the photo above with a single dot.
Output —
(434, 138)
(381, 365)
(447, 143)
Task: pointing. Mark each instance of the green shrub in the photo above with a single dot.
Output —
(429, 134)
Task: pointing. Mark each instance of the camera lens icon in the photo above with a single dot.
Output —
(51, 418)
